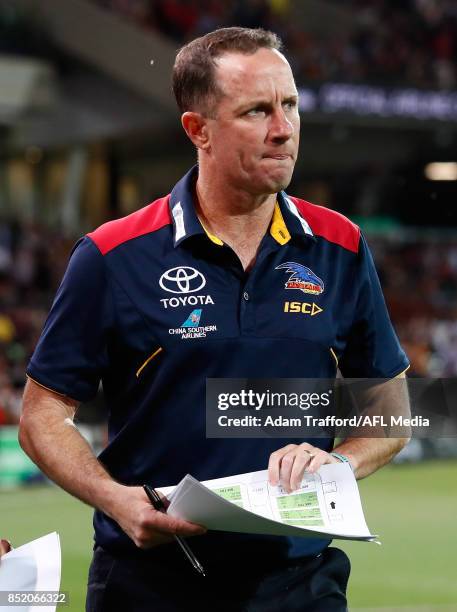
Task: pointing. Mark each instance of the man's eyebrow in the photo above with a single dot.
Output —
(252, 103)
(291, 98)
(264, 102)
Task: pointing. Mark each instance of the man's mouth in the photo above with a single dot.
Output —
(278, 156)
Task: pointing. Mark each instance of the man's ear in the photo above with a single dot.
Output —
(195, 126)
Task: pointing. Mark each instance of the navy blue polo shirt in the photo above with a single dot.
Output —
(152, 304)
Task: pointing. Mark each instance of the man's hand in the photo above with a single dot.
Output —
(288, 464)
(5, 547)
(146, 526)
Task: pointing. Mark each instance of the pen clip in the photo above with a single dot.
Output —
(154, 498)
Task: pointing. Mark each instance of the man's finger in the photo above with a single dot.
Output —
(167, 525)
(317, 461)
(156, 528)
(286, 467)
(5, 547)
(303, 459)
(274, 463)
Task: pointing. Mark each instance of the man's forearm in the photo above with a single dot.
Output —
(51, 440)
(369, 454)
(49, 437)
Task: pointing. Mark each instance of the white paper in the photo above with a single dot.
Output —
(327, 504)
(35, 566)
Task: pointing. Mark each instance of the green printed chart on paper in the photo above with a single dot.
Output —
(231, 494)
(300, 500)
(301, 510)
(313, 513)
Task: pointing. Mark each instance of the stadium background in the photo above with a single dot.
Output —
(89, 132)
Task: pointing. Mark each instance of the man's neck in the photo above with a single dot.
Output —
(237, 218)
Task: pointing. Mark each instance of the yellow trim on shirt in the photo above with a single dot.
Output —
(47, 388)
(150, 358)
(212, 237)
(278, 228)
(334, 356)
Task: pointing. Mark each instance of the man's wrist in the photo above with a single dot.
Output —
(342, 458)
(106, 497)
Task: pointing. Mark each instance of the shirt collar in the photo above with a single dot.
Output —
(287, 220)
(185, 220)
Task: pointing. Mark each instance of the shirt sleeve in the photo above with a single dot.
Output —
(373, 349)
(72, 352)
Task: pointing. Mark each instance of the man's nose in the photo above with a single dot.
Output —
(281, 128)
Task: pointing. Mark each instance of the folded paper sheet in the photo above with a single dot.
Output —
(326, 505)
(35, 566)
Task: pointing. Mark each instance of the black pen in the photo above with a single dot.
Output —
(158, 504)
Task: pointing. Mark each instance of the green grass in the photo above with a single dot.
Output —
(26, 514)
(411, 507)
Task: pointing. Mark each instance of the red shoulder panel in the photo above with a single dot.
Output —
(148, 219)
(329, 224)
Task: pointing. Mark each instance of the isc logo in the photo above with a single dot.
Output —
(303, 307)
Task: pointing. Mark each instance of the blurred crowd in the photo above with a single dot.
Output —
(403, 41)
(32, 261)
(420, 285)
(419, 281)
(388, 42)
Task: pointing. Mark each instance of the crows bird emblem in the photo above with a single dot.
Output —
(302, 278)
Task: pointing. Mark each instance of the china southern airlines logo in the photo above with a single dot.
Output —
(191, 327)
(302, 278)
(193, 319)
(182, 279)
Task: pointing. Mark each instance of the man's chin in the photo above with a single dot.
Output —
(278, 183)
(268, 183)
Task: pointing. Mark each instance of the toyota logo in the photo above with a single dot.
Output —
(182, 279)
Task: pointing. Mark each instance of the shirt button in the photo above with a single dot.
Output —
(246, 296)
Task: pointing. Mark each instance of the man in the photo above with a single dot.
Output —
(210, 253)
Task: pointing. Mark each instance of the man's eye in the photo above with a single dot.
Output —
(290, 104)
(255, 111)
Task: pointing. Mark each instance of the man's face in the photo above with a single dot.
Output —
(254, 136)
